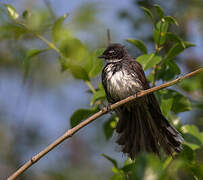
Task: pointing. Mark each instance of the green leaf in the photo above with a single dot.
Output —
(159, 10)
(100, 94)
(117, 176)
(97, 64)
(149, 13)
(176, 50)
(171, 20)
(194, 84)
(64, 64)
(11, 31)
(166, 101)
(96, 68)
(187, 153)
(168, 71)
(148, 60)
(176, 38)
(25, 14)
(74, 49)
(80, 115)
(180, 103)
(160, 32)
(30, 54)
(12, 11)
(193, 138)
(139, 44)
(78, 72)
(33, 52)
(58, 31)
(150, 76)
(113, 161)
(93, 65)
(173, 67)
(109, 126)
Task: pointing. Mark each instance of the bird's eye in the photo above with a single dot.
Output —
(114, 53)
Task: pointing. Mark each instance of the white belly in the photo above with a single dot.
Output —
(121, 85)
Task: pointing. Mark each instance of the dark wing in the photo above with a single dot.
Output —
(141, 75)
(137, 67)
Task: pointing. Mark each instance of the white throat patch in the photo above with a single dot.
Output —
(114, 60)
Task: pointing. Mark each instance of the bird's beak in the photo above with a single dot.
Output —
(102, 56)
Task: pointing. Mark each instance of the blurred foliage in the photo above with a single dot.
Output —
(159, 50)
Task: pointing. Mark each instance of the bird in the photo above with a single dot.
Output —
(141, 127)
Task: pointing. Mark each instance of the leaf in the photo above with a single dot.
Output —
(25, 14)
(139, 44)
(74, 49)
(159, 10)
(148, 60)
(100, 94)
(80, 115)
(176, 38)
(168, 71)
(187, 153)
(33, 52)
(109, 126)
(173, 67)
(12, 11)
(149, 13)
(57, 29)
(93, 65)
(193, 138)
(97, 64)
(194, 84)
(64, 64)
(150, 76)
(181, 103)
(78, 72)
(11, 31)
(140, 168)
(166, 101)
(96, 68)
(171, 20)
(26, 61)
(117, 176)
(113, 161)
(129, 167)
(176, 50)
(160, 32)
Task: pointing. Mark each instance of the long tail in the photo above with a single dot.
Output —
(143, 128)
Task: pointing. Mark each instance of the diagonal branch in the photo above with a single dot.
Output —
(105, 110)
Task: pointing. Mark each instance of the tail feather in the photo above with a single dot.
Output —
(143, 128)
(171, 139)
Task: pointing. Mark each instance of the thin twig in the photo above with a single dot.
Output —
(90, 86)
(108, 36)
(105, 110)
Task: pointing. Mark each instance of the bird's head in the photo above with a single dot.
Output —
(114, 52)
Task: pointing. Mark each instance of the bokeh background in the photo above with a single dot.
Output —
(36, 102)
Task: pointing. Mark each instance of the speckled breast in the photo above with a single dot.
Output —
(120, 83)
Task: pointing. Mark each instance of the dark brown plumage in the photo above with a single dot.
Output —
(141, 127)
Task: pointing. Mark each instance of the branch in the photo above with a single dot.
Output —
(105, 110)
(108, 36)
